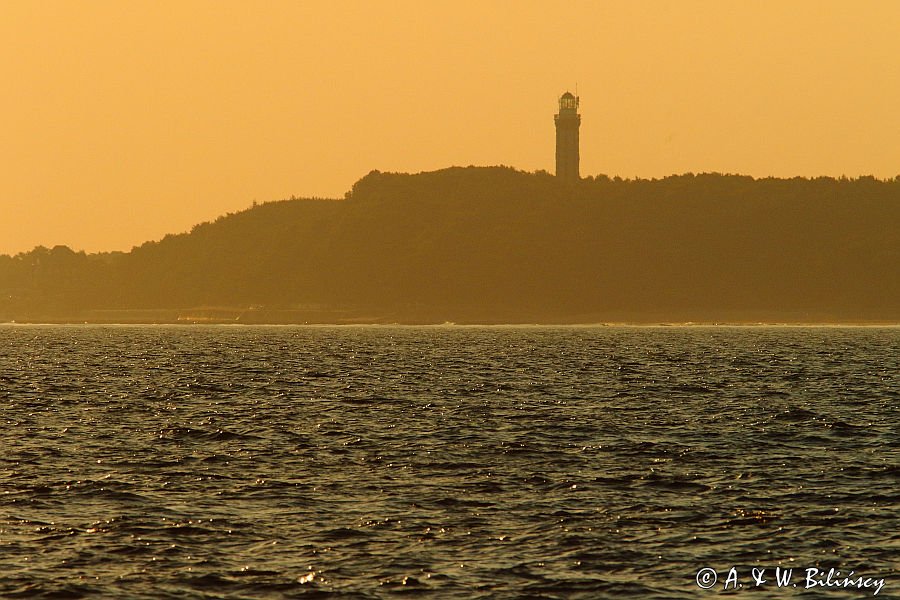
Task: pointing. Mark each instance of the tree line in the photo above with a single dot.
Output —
(500, 245)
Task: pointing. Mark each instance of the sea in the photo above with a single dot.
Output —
(449, 462)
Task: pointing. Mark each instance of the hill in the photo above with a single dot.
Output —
(499, 245)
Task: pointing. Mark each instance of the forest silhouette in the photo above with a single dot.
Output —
(497, 245)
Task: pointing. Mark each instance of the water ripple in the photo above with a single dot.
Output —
(450, 462)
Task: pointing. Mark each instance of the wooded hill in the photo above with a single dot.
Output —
(499, 245)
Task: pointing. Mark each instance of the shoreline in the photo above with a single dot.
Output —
(460, 324)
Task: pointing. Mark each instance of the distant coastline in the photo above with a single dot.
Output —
(386, 323)
(499, 246)
(254, 317)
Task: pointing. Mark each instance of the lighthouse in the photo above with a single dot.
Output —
(567, 122)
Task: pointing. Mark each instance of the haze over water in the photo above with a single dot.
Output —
(458, 462)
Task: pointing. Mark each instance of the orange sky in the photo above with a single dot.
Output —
(123, 121)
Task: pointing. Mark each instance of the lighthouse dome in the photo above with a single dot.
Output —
(568, 101)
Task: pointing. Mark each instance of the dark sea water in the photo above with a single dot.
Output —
(446, 462)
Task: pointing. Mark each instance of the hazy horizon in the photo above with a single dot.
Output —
(130, 121)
